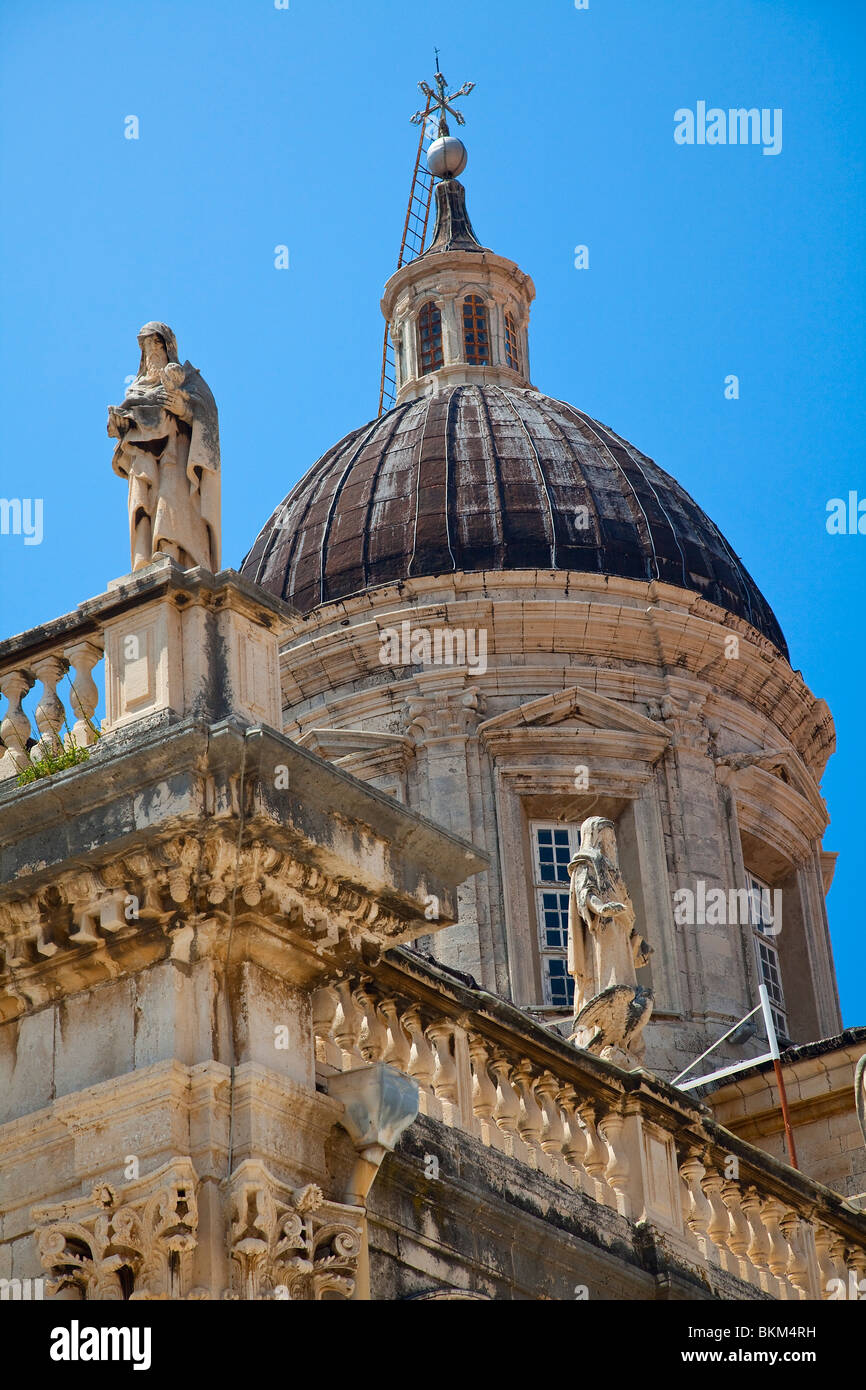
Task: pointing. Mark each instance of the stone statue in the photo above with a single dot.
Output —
(168, 449)
(604, 951)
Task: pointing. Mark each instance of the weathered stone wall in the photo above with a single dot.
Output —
(496, 1230)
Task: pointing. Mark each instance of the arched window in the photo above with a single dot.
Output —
(512, 346)
(429, 339)
(476, 342)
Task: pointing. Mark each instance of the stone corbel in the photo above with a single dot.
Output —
(22, 927)
(134, 1244)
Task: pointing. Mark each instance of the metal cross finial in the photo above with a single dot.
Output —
(441, 102)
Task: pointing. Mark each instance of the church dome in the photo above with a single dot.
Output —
(481, 476)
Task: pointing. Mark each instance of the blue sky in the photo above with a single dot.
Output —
(260, 127)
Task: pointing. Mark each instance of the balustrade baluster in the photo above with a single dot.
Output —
(483, 1089)
(15, 725)
(778, 1250)
(698, 1211)
(826, 1267)
(574, 1144)
(373, 1036)
(719, 1223)
(324, 1002)
(397, 1048)
(552, 1129)
(444, 1082)
(83, 656)
(529, 1117)
(596, 1155)
(798, 1263)
(837, 1255)
(616, 1172)
(422, 1063)
(347, 1027)
(740, 1234)
(50, 716)
(757, 1251)
(507, 1103)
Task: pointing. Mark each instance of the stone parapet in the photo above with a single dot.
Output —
(627, 1140)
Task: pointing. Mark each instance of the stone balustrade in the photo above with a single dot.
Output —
(68, 695)
(177, 644)
(626, 1140)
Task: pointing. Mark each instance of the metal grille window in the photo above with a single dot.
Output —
(553, 845)
(512, 349)
(430, 338)
(476, 342)
(769, 965)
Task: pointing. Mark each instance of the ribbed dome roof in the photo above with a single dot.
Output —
(482, 477)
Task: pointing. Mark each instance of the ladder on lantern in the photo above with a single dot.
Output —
(411, 246)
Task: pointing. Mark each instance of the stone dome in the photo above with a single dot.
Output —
(490, 477)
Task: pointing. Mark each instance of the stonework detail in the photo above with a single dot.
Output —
(168, 450)
(290, 1243)
(135, 1243)
(604, 950)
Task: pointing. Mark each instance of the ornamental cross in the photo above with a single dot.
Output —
(438, 101)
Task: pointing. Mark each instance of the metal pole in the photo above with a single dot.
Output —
(780, 1080)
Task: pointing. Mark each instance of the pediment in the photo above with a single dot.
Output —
(336, 743)
(782, 764)
(579, 710)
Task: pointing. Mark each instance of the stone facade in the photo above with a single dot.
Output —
(631, 682)
(278, 1008)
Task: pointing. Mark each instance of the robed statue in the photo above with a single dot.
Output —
(605, 950)
(167, 435)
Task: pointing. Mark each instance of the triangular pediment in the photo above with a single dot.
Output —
(578, 709)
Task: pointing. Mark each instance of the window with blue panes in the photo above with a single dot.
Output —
(769, 965)
(553, 846)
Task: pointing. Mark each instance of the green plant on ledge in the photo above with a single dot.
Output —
(53, 762)
(57, 760)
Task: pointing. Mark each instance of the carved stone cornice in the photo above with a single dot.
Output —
(650, 627)
(83, 928)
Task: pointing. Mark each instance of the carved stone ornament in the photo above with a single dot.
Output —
(133, 1244)
(290, 1243)
(168, 450)
(611, 1009)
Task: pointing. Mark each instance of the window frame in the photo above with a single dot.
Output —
(478, 326)
(767, 955)
(546, 953)
(436, 348)
(511, 340)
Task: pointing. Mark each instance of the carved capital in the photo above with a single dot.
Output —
(133, 1244)
(290, 1243)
